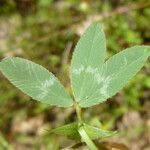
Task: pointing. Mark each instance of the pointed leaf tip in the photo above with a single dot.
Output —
(35, 81)
(70, 130)
(87, 59)
(95, 133)
(115, 73)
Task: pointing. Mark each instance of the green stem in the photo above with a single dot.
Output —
(78, 111)
(87, 139)
(82, 131)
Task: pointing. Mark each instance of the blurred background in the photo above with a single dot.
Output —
(46, 31)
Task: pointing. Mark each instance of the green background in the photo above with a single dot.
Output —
(46, 31)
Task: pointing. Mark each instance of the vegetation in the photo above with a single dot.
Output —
(23, 36)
